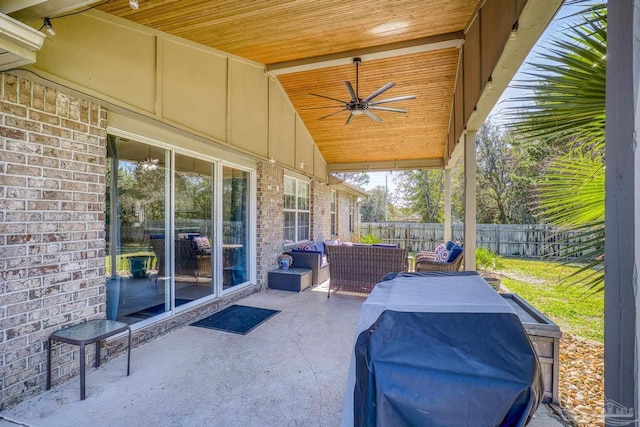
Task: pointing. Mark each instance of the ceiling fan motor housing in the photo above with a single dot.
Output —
(357, 106)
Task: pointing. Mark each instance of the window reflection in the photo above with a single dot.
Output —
(235, 196)
(137, 182)
(151, 267)
(193, 221)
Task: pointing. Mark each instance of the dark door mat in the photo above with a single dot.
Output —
(156, 309)
(237, 319)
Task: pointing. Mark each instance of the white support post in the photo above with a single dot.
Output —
(447, 205)
(622, 219)
(470, 167)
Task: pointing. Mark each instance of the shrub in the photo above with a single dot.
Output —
(487, 260)
(370, 239)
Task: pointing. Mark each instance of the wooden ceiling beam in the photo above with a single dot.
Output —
(425, 44)
(437, 163)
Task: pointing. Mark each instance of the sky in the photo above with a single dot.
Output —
(378, 178)
(553, 29)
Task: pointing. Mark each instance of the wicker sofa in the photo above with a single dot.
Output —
(358, 268)
(315, 260)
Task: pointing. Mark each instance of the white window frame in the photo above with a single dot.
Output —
(334, 215)
(353, 203)
(298, 182)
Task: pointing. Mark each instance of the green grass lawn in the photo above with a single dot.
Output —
(123, 260)
(576, 310)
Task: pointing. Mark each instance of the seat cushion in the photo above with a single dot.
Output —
(385, 245)
(454, 252)
(318, 247)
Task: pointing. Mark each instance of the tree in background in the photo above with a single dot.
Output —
(373, 208)
(506, 175)
(357, 179)
(566, 105)
(422, 192)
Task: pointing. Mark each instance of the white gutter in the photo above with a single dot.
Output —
(18, 43)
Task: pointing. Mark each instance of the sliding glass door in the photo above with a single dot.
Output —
(164, 210)
(235, 225)
(194, 226)
(138, 178)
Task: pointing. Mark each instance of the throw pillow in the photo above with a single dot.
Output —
(203, 247)
(454, 252)
(318, 247)
(440, 248)
(450, 244)
(442, 256)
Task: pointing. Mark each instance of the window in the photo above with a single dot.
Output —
(334, 227)
(352, 214)
(296, 210)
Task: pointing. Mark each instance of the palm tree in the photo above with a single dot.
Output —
(566, 105)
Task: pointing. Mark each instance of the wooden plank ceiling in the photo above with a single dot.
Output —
(277, 31)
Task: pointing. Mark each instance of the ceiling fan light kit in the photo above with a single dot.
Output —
(362, 106)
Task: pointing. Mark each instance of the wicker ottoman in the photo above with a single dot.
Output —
(292, 279)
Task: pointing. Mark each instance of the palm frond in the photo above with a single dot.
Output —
(565, 102)
(573, 191)
(566, 86)
(586, 246)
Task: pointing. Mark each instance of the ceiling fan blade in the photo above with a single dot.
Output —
(395, 110)
(332, 114)
(350, 118)
(379, 91)
(373, 116)
(328, 97)
(354, 98)
(326, 106)
(396, 99)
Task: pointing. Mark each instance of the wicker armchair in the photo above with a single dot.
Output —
(188, 262)
(359, 268)
(426, 261)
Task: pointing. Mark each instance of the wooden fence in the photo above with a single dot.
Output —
(522, 240)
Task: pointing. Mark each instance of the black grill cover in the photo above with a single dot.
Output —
(446, 369)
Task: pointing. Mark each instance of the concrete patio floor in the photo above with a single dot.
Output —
(290, 371)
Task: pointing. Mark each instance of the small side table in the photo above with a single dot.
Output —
(85, 333)
(292, 279)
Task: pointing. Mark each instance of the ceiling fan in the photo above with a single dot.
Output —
(358, 106)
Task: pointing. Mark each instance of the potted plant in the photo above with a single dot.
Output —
(486, 264)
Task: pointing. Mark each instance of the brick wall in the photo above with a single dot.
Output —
(270, 219)
(344, 205)
(320, 211)
(52, 203)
